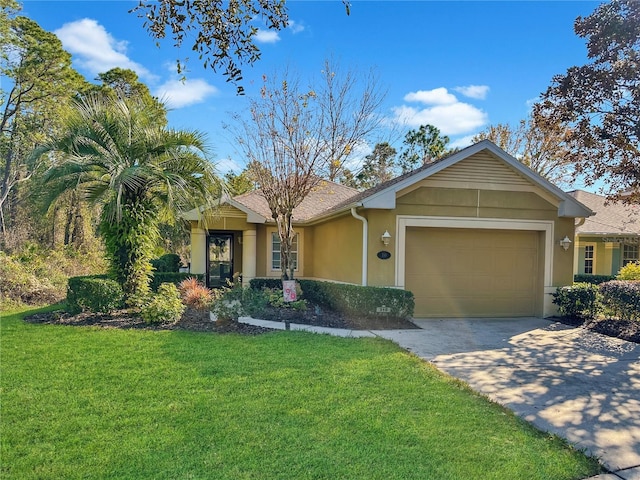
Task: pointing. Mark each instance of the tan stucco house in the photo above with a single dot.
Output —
(474, 234)
(609, 239)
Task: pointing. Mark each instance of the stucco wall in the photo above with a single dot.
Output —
(336, 253)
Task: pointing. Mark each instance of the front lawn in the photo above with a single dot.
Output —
(79, 402)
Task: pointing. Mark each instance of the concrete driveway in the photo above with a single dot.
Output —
(582, 386)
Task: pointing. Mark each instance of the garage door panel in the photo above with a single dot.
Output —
(465, 272)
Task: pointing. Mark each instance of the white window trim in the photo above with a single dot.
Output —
(277, 273)
(593, 259)
(630, 260)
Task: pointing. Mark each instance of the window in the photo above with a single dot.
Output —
(275, 251)
(589, 256)
(629, 254)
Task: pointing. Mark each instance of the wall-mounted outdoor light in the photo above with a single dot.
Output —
(565, 243)
(386, 237)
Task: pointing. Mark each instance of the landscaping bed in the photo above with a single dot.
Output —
(199, 321)
(624, 329)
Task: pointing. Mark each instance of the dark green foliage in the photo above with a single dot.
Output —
(623, 298)
(225, 39)
(167, 263)
(94, 293)
(260, 283)
(350, 299)
(594, 279)
(422, 146)
(117, 152)
(378, 167)
(130, 244)
(579, 300)
(172, 277)
(599, 102)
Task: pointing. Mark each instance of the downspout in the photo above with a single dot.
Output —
(580, 222)
(365, 237)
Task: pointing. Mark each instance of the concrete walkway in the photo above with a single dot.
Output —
(580, 385)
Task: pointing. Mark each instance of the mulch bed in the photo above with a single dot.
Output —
(198, 321)
(624, 329)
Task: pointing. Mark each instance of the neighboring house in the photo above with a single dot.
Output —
(609, 239)
(474, 234)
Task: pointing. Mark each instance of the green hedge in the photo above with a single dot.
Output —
(94, 293)
(172, 277)
(623, 298)
(594, 279)
(579, 300)
(169, 263)
(350, 299)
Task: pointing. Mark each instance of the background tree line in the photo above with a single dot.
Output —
(585, 126)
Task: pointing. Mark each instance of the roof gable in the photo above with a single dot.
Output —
(481, 168)
(480, 165)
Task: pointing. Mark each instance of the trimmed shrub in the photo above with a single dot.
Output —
(622, 298)
(580, 300)
(351, 299)
(169, 263)
(165, 306)
(594, 279)
(172, 277)
(631, 271)
(94, 293)
(261, 283)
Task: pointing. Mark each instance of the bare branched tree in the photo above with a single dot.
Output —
(296, 136)
(536, 142)
(349, 104)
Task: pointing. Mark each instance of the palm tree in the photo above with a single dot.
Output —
(118, 153)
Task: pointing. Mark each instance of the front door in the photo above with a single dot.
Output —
(220, 259)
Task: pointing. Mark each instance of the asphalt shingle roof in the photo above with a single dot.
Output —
(609, 218)
(322, 198)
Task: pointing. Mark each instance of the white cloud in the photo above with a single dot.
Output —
(180, 94)
(437, 96)
(356, 158)
(474, 91)
(462, 142)
(295, 27)
(228, 165)
(95, 50)
(531, 102)
(453, 119)
(267, 36)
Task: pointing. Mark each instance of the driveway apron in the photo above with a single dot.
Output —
(580, 385)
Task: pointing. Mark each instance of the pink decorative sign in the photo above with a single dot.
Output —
(289, 290)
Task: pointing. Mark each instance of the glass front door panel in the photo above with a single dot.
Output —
(220, 259)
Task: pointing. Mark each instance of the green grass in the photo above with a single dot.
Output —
(95, 403)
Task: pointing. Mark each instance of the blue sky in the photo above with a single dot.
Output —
(460, 66)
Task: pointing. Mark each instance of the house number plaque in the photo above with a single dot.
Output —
(384, 255)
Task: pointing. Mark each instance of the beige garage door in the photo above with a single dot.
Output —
(480, 273)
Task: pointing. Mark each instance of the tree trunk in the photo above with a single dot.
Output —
(287, 234)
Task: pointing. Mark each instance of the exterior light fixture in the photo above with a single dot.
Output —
(565, 243)
(386, 237)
